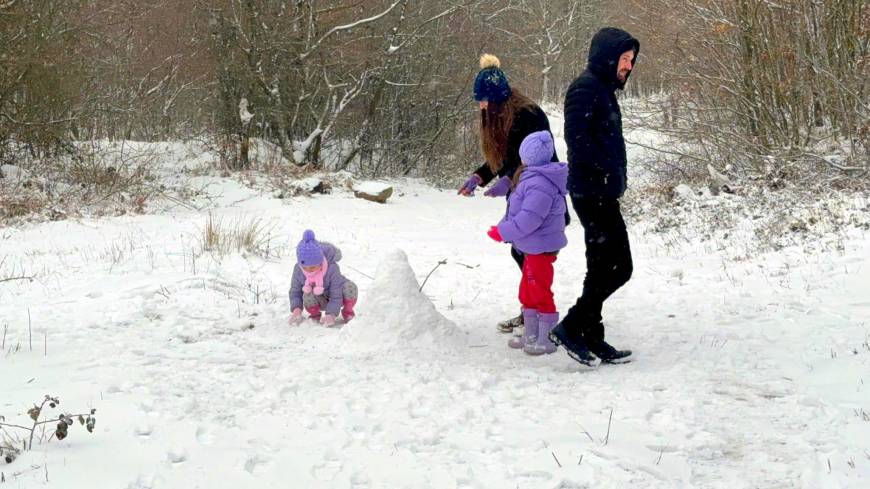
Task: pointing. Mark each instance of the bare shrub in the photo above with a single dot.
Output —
(225, 237)
(40, 430)
(86, 178)
(764, 91)
(16, 204)
(750, 223)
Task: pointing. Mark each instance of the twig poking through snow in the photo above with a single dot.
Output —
(442, 262)
(587, 433)
(556, 459)
(607, 436)
(361, 273)
(9, 279)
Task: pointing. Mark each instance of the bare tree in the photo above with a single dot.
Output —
(765, 89)
(545, 30)
(39, 75)
(279, 58)
(758, 88)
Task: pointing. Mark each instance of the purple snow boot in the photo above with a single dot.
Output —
(530, 322)
(542, 343)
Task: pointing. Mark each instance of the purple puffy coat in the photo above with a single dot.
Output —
(333, 281)
(535, 219)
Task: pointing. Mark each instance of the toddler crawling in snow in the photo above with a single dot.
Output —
(318, 284)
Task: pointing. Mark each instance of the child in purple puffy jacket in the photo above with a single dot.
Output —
(318, 285)
(535, 225)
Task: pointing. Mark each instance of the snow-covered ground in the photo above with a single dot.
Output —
(749, 373)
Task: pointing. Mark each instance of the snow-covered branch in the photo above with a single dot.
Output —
(395, 47)
(346, 27)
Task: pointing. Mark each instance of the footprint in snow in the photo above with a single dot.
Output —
(329, 468)
(532, 478)
(177, 455)
(204, 435)
(256, 463)
(571, 485)
(357, 432)
(146, 481)
(143, 430)
(360, 480)
(289, 391)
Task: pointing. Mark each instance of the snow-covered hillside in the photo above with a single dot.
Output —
(748, 373)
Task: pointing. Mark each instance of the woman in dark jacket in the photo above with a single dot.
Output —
(506, 118)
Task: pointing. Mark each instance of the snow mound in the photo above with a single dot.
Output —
(397, 314)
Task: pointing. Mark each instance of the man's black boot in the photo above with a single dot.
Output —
(573, 343)
(607, 353)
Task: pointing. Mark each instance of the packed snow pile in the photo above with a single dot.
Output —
(397, 314)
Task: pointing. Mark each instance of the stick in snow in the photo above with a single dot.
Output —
(442, 262)
(9, 279)
(361, 273)
(587, 433)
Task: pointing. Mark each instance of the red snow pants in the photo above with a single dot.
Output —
(536, 286)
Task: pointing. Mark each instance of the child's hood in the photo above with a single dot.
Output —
(555, 173)
(330, 252)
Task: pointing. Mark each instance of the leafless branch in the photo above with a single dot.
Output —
(345, 27)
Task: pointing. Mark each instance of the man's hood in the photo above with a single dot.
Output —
(604, 52)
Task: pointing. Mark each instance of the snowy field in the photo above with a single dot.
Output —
(746, 374)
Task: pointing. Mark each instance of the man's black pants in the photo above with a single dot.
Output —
(608, 263)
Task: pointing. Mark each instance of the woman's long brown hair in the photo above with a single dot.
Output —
(495, 125)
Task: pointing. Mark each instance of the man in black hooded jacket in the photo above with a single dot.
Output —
(597, 179)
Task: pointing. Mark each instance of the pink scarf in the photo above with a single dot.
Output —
(315, 279)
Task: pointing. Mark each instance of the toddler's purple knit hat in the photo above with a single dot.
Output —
(308, 252)
(537, 149)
